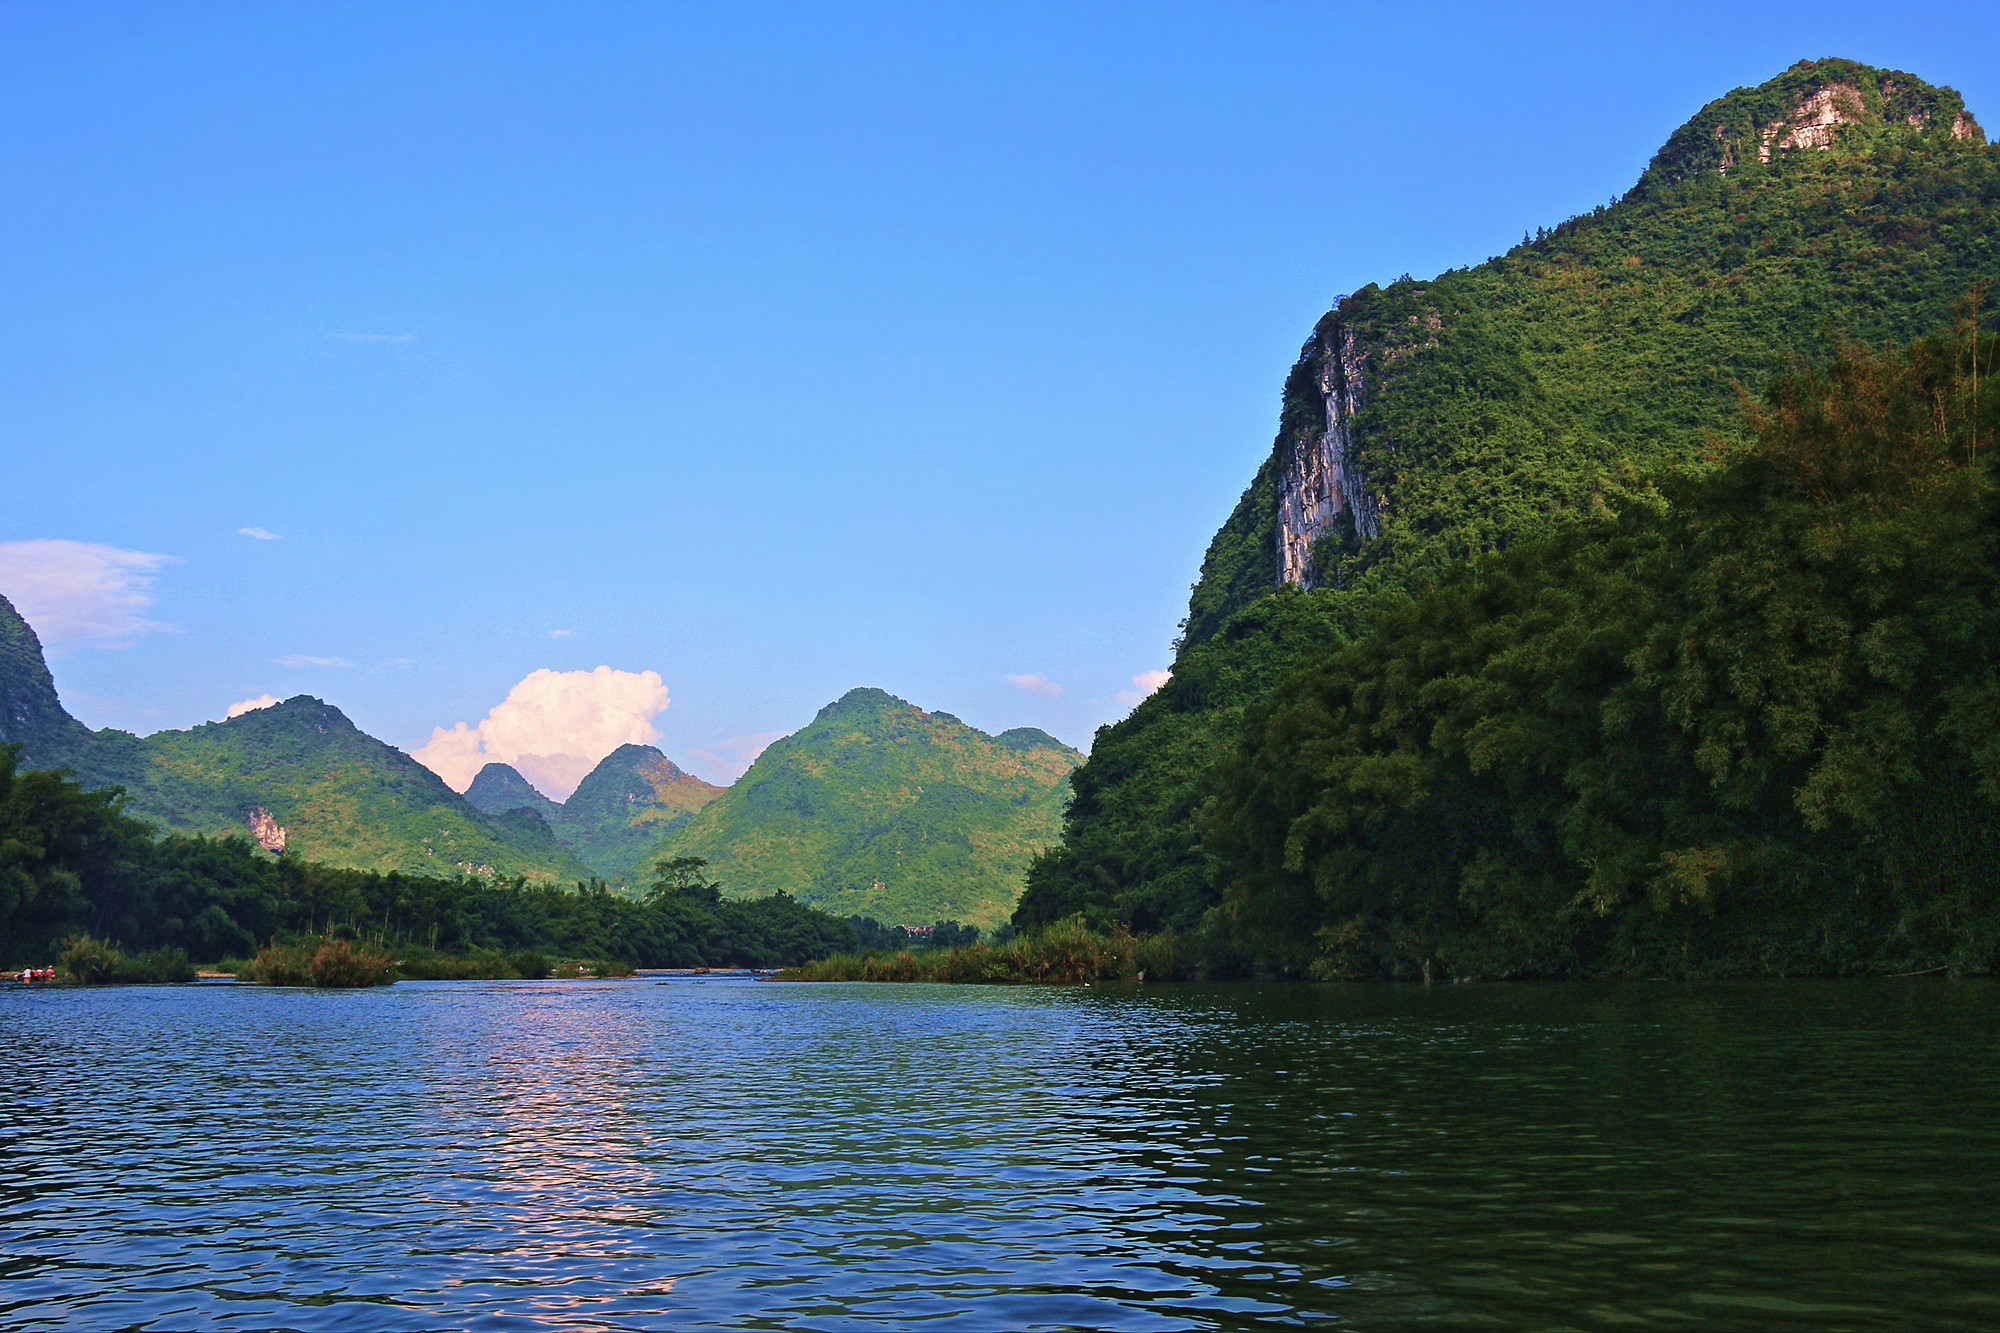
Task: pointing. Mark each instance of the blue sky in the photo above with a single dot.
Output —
(775, 349)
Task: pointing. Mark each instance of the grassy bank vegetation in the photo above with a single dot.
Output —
(87, 961)
(338, 962)
(1067, 952)
(321, 961)
(415, 963)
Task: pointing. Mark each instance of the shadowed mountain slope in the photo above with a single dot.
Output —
(31, 715)
(499, 788)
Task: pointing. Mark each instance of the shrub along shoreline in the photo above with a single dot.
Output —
(94, 962)
(1068, 952)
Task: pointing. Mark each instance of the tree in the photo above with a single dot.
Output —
(682, 877)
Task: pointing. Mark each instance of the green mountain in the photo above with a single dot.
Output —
(614, 820)
(499, 788)
(1426, 422)
(30, 714)
(877, 808)
(297, 776)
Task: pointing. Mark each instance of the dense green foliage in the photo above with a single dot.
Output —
(89, 962)
(877, 808)
(870, 934)
(71, 862)
(414, 962)
(613, 821)
(1131, 848)
(1547, 387)
(874, 809)
(1751, 726)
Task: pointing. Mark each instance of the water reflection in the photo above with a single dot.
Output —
(628, 1155)
(1795, 1155)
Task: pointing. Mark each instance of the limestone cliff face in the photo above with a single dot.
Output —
(1322, 482)
(1325, 490)
(1814, 119)
(1321, 500)
(269, 833)
(1334, 472)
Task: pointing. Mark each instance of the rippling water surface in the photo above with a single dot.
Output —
(745, 1155)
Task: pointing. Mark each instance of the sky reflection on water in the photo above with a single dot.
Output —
(734, 1154)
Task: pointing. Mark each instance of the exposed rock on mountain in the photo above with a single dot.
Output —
(267, 832)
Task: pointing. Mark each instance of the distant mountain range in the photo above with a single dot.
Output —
(615, 818)
(880, 809)
(297, 776)
(876, 808)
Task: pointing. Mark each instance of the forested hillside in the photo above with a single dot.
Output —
(1578, 380)
(879, 809)
(1752, 724)
(298, 775)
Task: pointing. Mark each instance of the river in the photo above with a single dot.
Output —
(734, 1154)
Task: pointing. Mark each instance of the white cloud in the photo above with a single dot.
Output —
(732, 758)
(251, 705)
(80, 592)
(554, 727)
(306, 660)
(372, 337)
(561, 633)
(1041, 685)
(1148, 682)
(261, 534)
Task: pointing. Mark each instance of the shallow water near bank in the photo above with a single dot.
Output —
(726, 1153)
